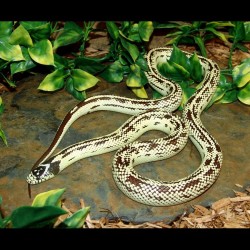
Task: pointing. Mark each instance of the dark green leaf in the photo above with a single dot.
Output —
(229, 97)
(196, 68)
(179, 57)
(134, 78)
(113, 72)
(201, 45)
(167, 25)
(6, 27)
(134, 33)
(73, 26)
(112, 29)
(38, 30)
(69, 86)
(60, 62)
(218, 34)
(239, 32)
(130, 47)
(68, 36)
(35, 217)
(247, 31)
(142, 63)
(242, 47)
(3, 137)
(89, 65)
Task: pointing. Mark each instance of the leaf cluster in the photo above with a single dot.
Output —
(44, 213)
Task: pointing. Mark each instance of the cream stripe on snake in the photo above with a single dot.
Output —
(147, 115)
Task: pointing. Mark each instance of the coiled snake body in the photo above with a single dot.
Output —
(147, 115)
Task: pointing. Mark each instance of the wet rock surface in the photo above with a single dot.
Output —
(31, 119)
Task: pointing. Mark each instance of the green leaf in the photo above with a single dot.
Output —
(179, 57)
(134, 78)
(247, 31)
(82, 80)
(113, 72)
(3, 137)
(76, 220)
(53, 81)
(20, 36)
(68, 36)
(35, 217)
(229, 97)
(49, 198)
(239, 32)
(134, 33)
(142, 63)
(196, 68)
(21, 66)
(89, 65)
(218, 34)
(140, 92)
(1, 105)
(73, 26)
(198, 40)
(244, 94)
(60, 62)
(69, 86)
(219, 24)
(38, 30)
(145, 29)
(187, 92)
(130, 47)
(241, 73)
(6, 28)
(10, 52)
(42, 52)
(112, 29)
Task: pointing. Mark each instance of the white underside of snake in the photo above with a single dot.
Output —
(146, 115)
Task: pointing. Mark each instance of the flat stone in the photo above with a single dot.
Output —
(31, 119)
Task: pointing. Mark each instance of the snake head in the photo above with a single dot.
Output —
(41, 173)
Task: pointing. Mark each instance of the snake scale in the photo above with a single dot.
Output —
(156, 114)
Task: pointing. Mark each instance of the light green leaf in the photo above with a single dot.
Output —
(49, 198)
(10, 52)
(35, 217)
(140, 92)
(187, 92)
(241, 73)
(20, 36)
(145, 29)
(53, 81)
(77, 219)
(42, 52)
(218, 34)
(134, 78)
(21, 66)
(244, 94)
(82, 80)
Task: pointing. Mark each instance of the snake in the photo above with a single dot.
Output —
(146, 115)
